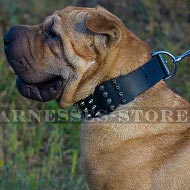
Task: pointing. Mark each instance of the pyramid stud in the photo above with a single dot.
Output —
(101, 87)
(93, 107)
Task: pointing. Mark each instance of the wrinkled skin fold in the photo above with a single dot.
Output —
(42, 92)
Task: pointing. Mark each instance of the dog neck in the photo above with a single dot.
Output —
(122, 90)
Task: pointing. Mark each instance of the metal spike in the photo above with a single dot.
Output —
(98, 114)
(82, 104)
(93, 107)
(91, 101)
(89, 116)
(85, 110)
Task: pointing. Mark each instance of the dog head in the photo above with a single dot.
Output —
(70, 53)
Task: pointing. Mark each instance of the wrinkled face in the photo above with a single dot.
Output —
(62, 56)
(40, 57)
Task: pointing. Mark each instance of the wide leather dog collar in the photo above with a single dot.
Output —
(123, 89)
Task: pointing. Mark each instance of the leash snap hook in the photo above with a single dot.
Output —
(182, 56)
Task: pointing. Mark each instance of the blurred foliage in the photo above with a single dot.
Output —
(45, 155)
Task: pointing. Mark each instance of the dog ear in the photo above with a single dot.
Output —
(105, 24)
(99, 7)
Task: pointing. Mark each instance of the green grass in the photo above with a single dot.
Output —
(42, 155)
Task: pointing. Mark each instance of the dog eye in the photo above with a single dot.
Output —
(52, 34)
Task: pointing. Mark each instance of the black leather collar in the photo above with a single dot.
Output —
(123, 89)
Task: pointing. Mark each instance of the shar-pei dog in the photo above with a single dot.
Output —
(87, 57)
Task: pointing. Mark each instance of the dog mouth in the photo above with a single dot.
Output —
(43, 92)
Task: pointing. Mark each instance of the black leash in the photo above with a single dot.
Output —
(123, 89)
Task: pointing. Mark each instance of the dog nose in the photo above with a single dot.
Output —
(10, 36)
(14, 35)
(6, 40)
(15, 48)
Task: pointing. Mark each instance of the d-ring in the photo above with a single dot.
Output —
(169, 73)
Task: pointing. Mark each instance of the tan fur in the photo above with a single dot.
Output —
(138, 156)
(118, 155)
